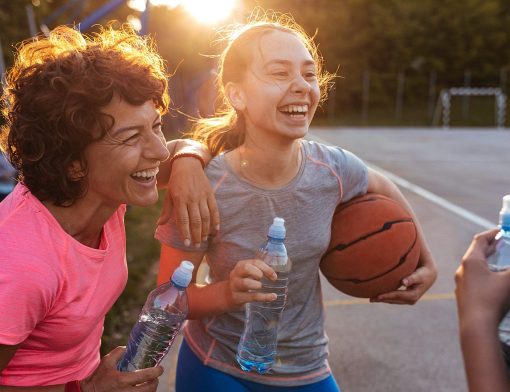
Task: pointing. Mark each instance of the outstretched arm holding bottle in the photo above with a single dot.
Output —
(483, 297)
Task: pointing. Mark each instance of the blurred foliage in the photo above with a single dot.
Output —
(142, 258)
(443, 39)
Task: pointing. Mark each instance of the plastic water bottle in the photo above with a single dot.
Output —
(257, 347)
(160, 320)
(500, 260)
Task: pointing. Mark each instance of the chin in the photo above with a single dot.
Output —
(145, 202)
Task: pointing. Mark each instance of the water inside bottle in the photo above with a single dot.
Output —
(151, 338)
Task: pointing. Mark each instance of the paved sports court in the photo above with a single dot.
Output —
(454, 180)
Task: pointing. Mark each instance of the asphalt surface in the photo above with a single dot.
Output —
(454, 179)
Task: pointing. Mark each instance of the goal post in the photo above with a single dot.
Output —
(444, 103)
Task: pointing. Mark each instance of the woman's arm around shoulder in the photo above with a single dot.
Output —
(189, 195)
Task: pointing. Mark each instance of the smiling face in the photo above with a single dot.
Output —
(279, 92)
(122, 166)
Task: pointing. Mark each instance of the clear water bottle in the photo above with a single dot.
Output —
(160, 320)
(500, 260)
(257, 347)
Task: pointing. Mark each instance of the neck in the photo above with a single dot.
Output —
(83, 221)
(267, 165)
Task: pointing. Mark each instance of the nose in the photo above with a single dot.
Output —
(300, 85)
(155, 147)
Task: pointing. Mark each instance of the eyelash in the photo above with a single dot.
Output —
(308, 75)
(132, 137)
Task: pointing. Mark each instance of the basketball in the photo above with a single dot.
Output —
(373, 246)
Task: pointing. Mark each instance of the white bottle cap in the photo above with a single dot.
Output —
(506, 204)
(183, 274)
(277, 229)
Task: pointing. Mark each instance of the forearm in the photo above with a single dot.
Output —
(382, 185)
(181, 146)
(483, 359)
(209, 300)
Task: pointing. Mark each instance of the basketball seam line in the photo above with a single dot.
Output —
(401, 261)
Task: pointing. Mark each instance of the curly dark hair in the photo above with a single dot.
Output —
(53, 98)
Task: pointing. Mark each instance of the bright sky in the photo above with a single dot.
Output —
(204, 11)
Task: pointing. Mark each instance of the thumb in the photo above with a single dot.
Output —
(412, 279)
(115, 355)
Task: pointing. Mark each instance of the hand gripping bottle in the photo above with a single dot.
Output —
(257, 347)
(161, 318)
(500, 260)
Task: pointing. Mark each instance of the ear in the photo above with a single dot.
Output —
(75, 171)
(235, 95)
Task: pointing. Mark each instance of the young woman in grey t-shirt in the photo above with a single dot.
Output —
(271, 81)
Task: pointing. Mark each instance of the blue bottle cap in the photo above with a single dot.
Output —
(182, 275)
(504, 214)
(277, 229)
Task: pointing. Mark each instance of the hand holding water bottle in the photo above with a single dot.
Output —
(258, 344)
(245, 283)
(483, 296)
(107, 378)
(160, 320)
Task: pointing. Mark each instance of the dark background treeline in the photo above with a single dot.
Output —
(392, 57)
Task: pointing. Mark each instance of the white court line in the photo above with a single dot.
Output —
(463, 213)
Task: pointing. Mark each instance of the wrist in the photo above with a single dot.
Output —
(478, 324)
(187, 154)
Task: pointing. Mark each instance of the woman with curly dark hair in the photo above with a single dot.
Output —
(84, 131)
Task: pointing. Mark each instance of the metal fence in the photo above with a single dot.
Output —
(414, 97)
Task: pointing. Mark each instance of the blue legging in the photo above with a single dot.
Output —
(193, 376)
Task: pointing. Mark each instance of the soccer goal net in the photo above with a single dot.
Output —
(444, 102)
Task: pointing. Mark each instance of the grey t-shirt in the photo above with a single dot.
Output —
(327, 176)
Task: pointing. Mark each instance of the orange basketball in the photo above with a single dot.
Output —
(373, 246)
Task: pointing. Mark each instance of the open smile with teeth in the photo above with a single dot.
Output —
(295, 111)
(146, 175)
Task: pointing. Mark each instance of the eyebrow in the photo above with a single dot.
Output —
(286, 62)
(133, 127)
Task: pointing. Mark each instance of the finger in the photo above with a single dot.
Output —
(391, 302)
(255, 269)
(151, 386)
(195, 223)
(204, 215)
(182, 220)
(413, 279)
(243, 298)
(420, 276)
(267, 271)
(141, 376)
(262, 297)
(245, 284)
(487, 236)
(166, 212)
(214, 212)
(115, 355)
(408, 297)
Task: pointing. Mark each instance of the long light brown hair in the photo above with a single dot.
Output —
(226, 129)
